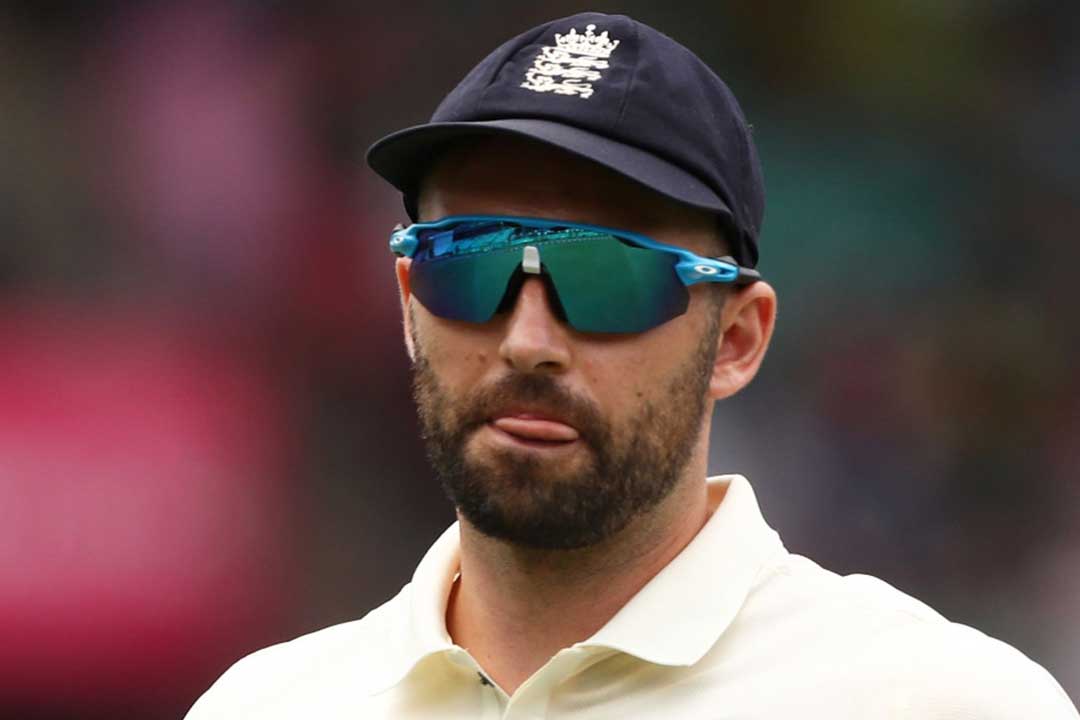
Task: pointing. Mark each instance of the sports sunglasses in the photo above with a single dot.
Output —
(600, 280)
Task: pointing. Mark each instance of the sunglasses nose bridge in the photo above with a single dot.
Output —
(536, 294)
(535, 337)
(532, 273)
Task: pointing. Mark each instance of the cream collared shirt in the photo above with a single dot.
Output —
(734, 627)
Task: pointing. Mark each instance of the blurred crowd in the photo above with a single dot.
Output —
(207, 441)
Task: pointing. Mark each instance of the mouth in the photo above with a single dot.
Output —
(533, 429)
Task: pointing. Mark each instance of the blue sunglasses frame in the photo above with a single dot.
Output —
(690, 267)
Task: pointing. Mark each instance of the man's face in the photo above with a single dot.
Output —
(544, 436)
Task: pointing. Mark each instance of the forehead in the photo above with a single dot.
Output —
(504, 175)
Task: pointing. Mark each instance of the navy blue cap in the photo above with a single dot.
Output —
(612, 90)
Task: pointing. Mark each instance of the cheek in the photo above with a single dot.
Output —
(623, 378)
(621, 383)
(460, 356)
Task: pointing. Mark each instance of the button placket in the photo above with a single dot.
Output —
(530, 702)
(492, 697)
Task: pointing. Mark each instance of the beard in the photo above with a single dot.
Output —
(631, 464)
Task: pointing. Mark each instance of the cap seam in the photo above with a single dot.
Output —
(745, 219)
(632, 80)
(744, 158)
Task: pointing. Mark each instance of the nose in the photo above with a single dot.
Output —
(535, 339)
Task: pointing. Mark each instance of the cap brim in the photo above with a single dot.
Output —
(402, 157)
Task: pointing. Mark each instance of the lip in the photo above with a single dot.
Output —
(533, 427)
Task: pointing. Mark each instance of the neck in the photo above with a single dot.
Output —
(513, 608)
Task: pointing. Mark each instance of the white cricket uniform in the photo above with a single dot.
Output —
(735, 627)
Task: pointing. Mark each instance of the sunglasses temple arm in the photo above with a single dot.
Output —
(747, 275)
(402, 242)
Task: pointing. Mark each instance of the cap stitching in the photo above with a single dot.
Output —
(632, 80)
(750, 225)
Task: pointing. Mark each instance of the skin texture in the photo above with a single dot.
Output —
(518, 603)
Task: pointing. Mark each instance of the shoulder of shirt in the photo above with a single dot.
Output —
(956, 672)
(258, 679)
(909, 660)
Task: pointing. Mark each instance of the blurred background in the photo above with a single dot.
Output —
(207, 441)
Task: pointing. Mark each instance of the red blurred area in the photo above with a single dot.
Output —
(143, 510)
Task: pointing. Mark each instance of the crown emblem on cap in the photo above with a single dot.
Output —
(571, 65)
(598, 46)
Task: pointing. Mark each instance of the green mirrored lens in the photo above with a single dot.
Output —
(605, 285)
(602, 284)
(464, 287)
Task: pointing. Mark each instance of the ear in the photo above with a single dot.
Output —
(401, 269)
(746, 326)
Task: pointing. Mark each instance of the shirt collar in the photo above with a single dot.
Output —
(681, 613)
(673, 620)
(416, 628)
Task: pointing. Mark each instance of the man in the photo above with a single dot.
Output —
(578, 292)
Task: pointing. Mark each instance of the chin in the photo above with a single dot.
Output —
(536, 504)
